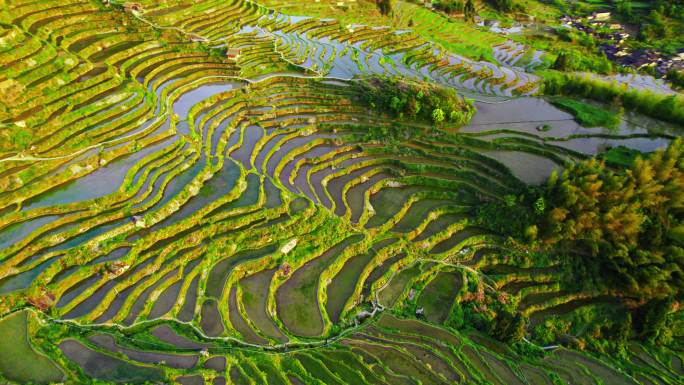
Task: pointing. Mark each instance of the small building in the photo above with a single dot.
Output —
(286, 248)
(565, 19)
(117, 268)
(233, 54)
(138, 221)
(43, 301)
(285, 269)
(600, 16)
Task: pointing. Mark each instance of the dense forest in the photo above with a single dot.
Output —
(615, 230)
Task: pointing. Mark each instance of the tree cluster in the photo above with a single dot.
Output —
(404, 98)
(14, 138)
(469, 11)
(571, 60)
(449, 6)
(625, 227)
(502, 5)
(617, 229)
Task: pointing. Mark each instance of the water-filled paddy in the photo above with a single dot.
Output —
(18, 359)
(281, 213)
(103, 366)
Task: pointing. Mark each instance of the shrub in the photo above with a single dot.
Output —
(676, 77)
(620, 221)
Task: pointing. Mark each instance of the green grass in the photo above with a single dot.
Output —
(620, 156)
(586, 114)
(18, 360)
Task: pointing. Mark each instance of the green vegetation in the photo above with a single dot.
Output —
(14, 138)
(622, 225)
(620, 156)
(450, 6)
(469, 11)
(421, 101)
(676, 77)
(18, 359)
(665, 107)
(613, 230)
(587, 114)
(299, 192)
(506, 5)
(660, 23)
(385, 6)
(572, 60)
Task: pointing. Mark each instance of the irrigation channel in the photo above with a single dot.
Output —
(182, 217)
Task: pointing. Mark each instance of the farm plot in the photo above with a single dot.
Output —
(197, 185)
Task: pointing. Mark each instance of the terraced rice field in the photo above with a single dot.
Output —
(172, 216)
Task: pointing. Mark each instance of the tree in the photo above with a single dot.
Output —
(676, 77)
(456, 317)
(502, 5)
(540, 206)
(563, 61)
(469, 11)
(651, 319)
(624, 7)
(449, 6)
(509, 327)
(385, 6)
(438, 115)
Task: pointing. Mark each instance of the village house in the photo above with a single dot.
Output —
(233, 54)
(622, 53)
(285, 269)
(117, 268)
(599, 16)
(43, 301)
(613, 44)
